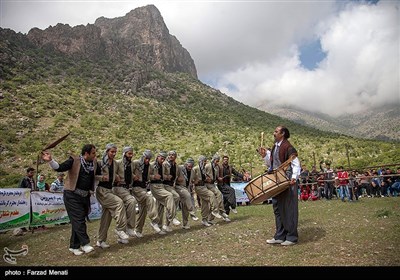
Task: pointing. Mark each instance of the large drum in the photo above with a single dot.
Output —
(268, 185)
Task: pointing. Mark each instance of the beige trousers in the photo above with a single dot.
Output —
(112, 207)
(208, 201)
(130, 205)
(219, 199)
(147, 206)
(164, 198)
(187, 204)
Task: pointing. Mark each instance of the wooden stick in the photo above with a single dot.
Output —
(262, 139)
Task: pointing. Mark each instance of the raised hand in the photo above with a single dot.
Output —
(46, 156)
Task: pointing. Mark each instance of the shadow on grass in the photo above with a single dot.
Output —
(177, 230)
(311, 233)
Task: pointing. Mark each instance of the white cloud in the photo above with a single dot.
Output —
(361, 69)
(250, 49)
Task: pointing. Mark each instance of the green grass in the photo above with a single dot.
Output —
(331, 233)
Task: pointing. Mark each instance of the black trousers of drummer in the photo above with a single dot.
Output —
(285, 206)
(229, 196)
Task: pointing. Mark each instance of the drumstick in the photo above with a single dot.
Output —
(262, 139)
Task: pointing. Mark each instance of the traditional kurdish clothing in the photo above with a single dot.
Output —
(285, 204)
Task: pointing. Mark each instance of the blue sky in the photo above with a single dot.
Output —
(311, 54)
(334, 57)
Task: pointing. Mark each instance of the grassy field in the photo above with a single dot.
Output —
(332, 233)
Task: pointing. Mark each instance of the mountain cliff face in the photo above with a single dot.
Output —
(138, 38)
(80, 41)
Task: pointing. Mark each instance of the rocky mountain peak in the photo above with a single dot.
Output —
(79, 41)
(140, 37)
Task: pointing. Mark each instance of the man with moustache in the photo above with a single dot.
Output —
(82, 174)
(147, 204)
(182, 188)
(285, 204)
(163, 195)
(112, 205)
(121, 188)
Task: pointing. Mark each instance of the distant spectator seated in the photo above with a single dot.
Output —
(376, 185)
(41, 184)
(305, 193)
(386, 183)
(58, 184)
(314, 195)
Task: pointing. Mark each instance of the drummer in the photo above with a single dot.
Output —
(285, 204)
